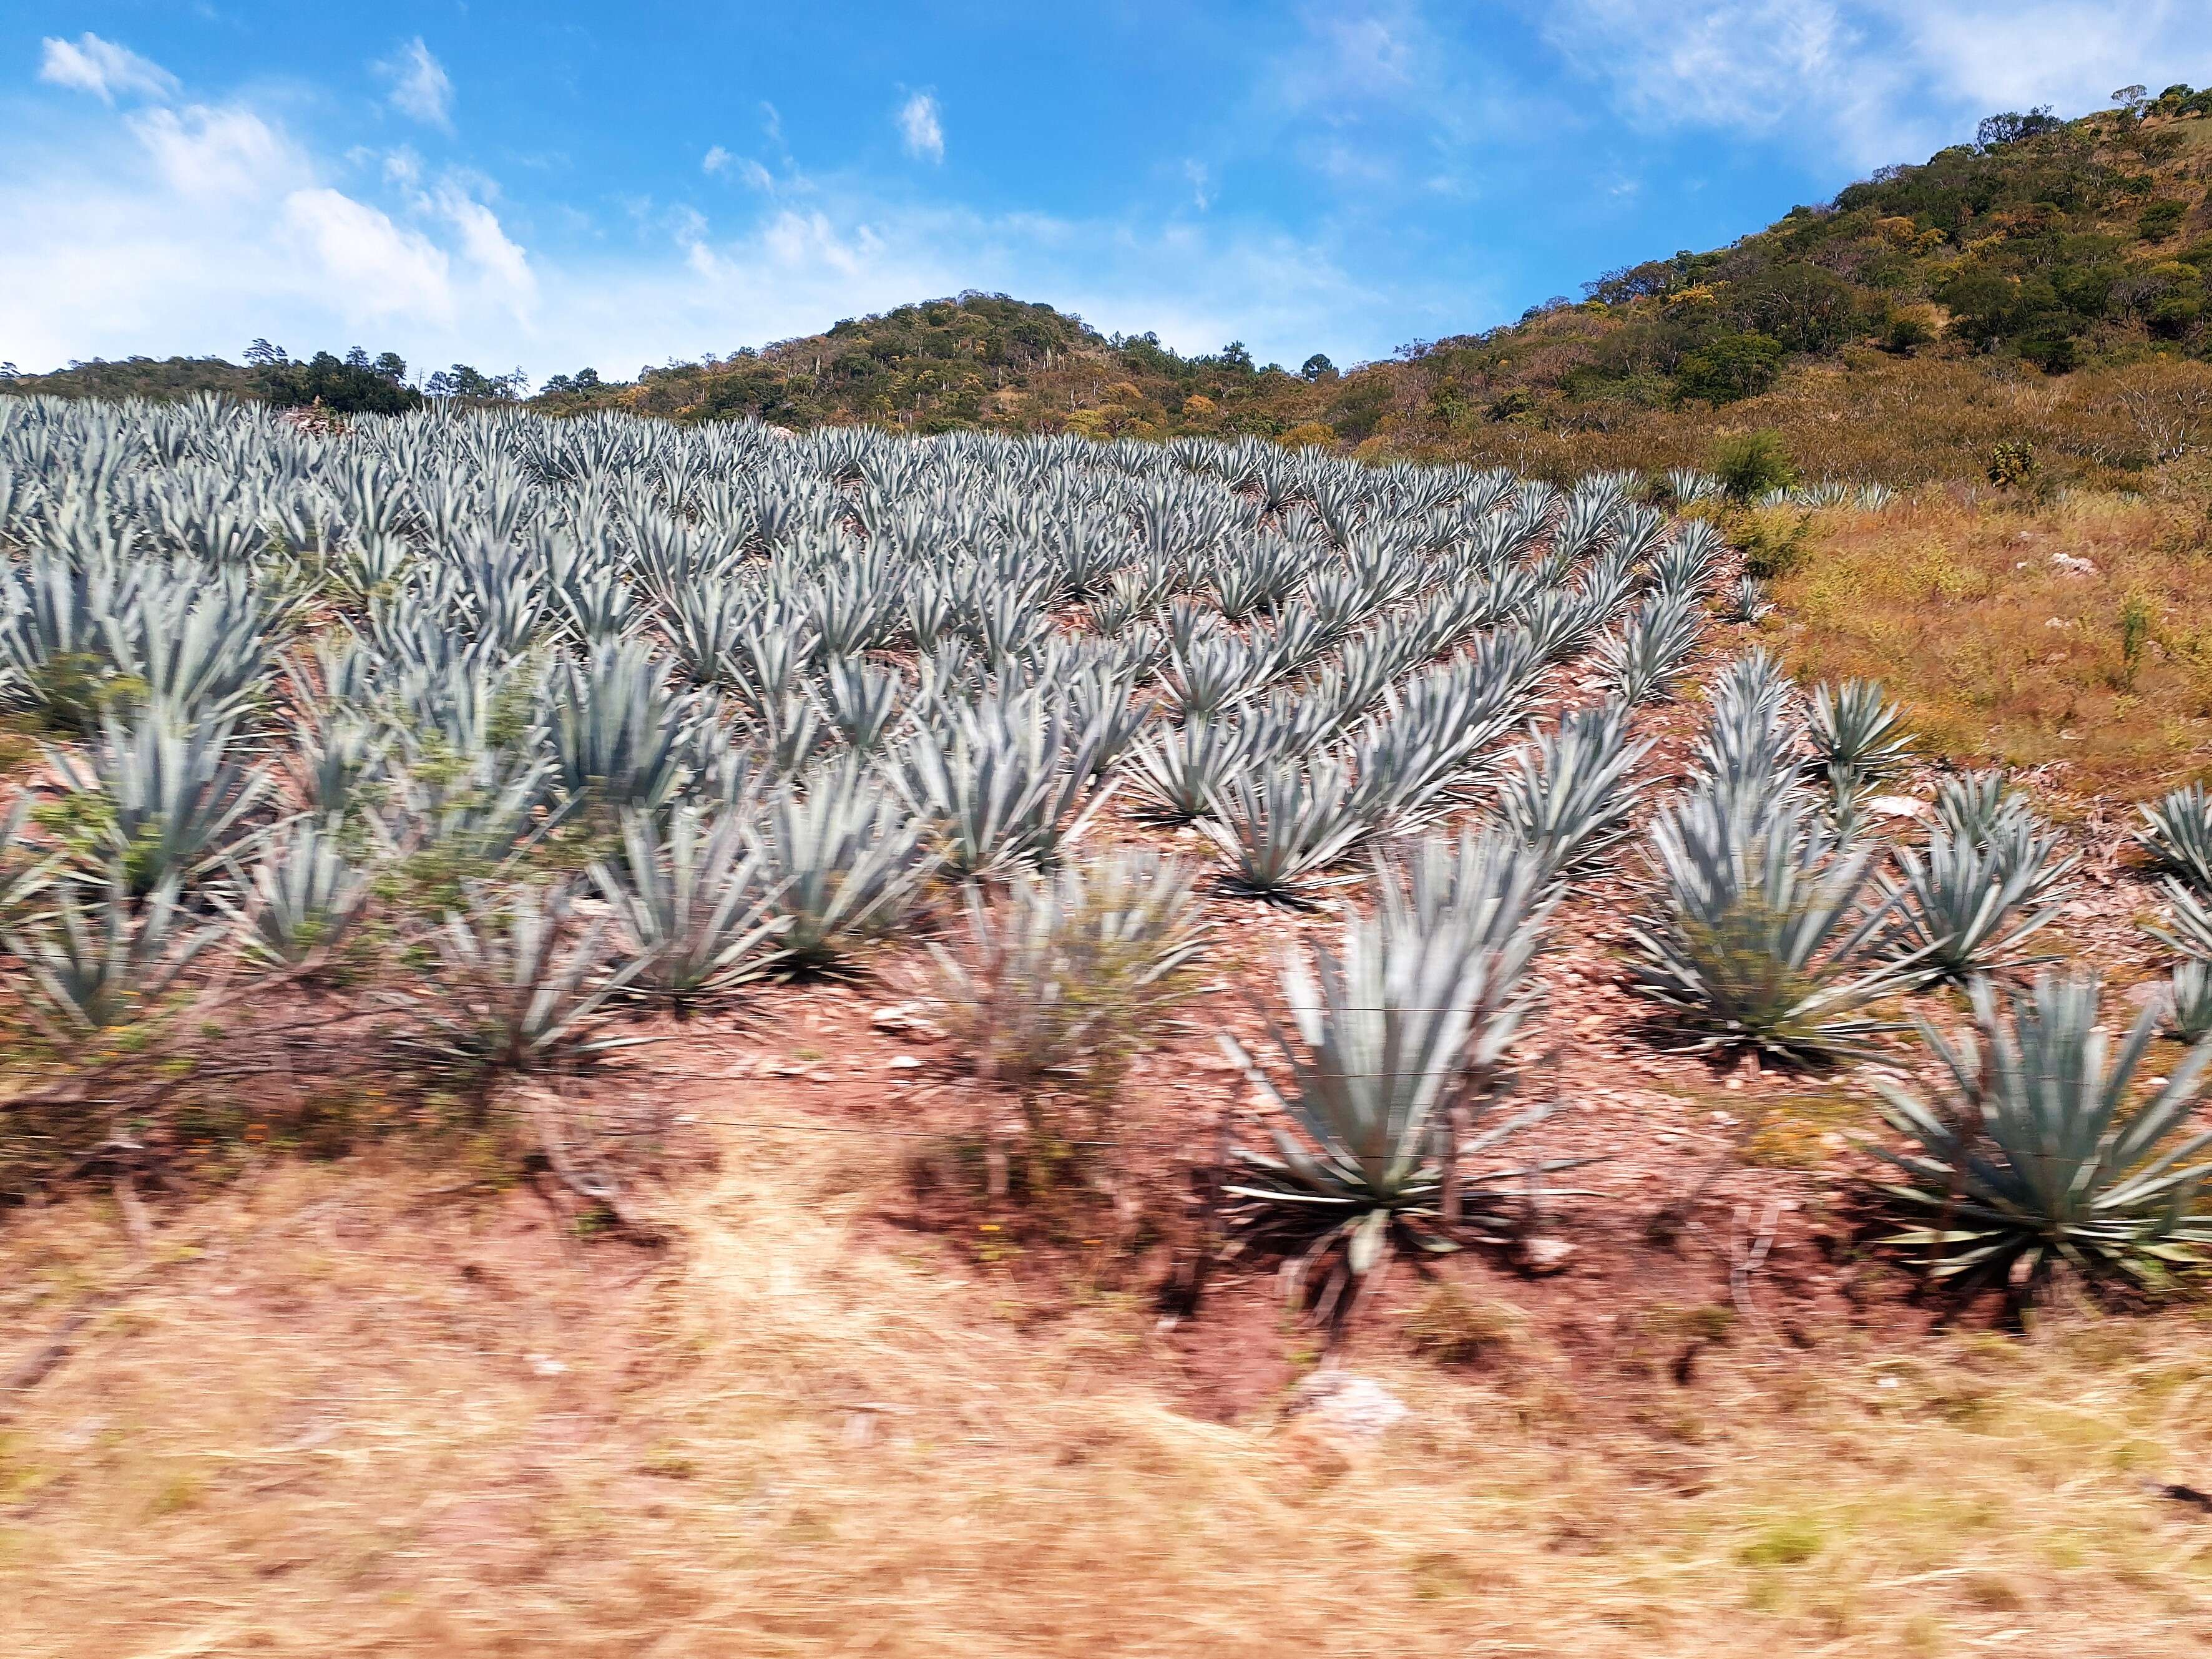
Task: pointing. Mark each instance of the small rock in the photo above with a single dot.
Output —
(1897, 807)
(545, 1367)
(1346, 1403)
(1546, 1256)
(902, 1063)
(2073, 566)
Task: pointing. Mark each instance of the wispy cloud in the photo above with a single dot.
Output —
(421, 88)
(103, 68)
(1875, 80)
(921, 129)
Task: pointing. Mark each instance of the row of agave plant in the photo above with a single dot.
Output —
(795, 687)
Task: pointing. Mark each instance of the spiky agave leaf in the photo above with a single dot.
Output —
(1180, 771)
(1746, 601)
(1281, 826)
(2187, 1003)
(2034, 1150)
(302, 896)
(25, 872)
(514, 984)
(171, 804)
(1009, 783)
(844, 861)
(1962, 909)
(1569, 793)
(1380, 1035)
(1071, 972)
(688, 898)
(863, 703)
(617, 728)
(2177, 831)
(102, 955)
(1855, 729)
(1756, 932)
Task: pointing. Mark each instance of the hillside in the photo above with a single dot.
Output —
(2045, 284)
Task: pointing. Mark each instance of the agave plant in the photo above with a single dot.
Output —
(1747, 601)
(1757, 932)
(1180, 772)
(2035, 1152)
(687, 897)
(25, 872)
(1070, 974)
(2177, 833)
(1961, 910)
(1570, 794)
(1383, 1032)
(167, 804)
(1856, 731)
(514, 984)
(2187, 1001)
(104, 955)
(302, 897)
(1281, 826)
(1009, 784)
(1646, 657)
(617, 730)
(843, 862)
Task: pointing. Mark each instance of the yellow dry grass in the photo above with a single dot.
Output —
(352, 1421)
(1979, 612)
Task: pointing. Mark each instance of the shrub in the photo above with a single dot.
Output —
(1751, 464)
(2012, 463)
(1729, 368)
(1068, 978)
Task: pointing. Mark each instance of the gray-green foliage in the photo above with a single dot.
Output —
(2039, 1147)
(1961, 908)
(102, 956)
(1386, 1031)
(514, 983)
(167, 804)
(1063, 978)
(1569, 793)
(302, 896)
(686, 894)
(1756, 930)
(2177, 831)
(844, 862)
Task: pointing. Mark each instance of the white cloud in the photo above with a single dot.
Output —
(717, 160)
(1874, 81)
(227, 152)
(921, 129)
(421, 88)
(375, 269)
(485, 244)
(102, 69)
(1201, 185)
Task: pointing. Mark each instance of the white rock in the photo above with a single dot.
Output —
(1344, 1403)
(1897, 807)
(902, 1063)
(1546, 1256)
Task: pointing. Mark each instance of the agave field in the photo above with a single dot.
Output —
(477, 746)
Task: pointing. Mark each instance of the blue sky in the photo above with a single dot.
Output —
(561, 183)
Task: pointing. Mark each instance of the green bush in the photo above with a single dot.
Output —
(1751, 464)
(1729, 367)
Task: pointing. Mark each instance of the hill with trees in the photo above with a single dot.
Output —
(2043, 284)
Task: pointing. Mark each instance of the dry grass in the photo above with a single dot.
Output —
(1961, 602)
(354, 1422)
